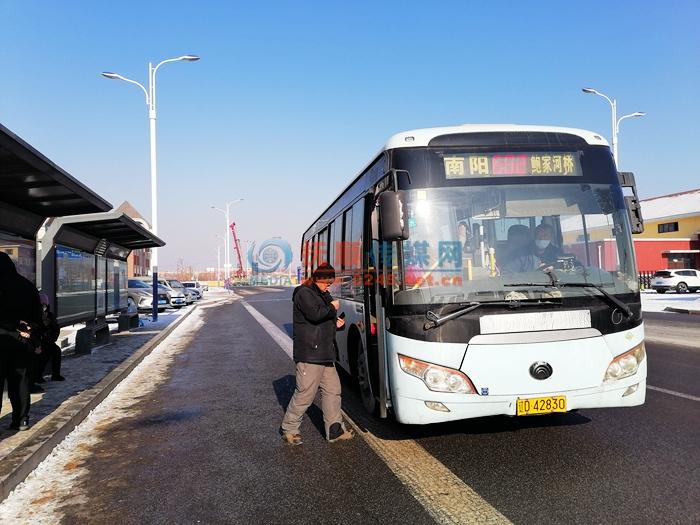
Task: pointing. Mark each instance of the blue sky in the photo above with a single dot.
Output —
(290, 99)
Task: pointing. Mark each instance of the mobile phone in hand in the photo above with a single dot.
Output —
(342, 315)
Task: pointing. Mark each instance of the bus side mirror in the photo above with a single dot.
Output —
(634, 209)
(393, 221)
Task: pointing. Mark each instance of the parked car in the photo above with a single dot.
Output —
(177, 297)
(178, 286)
(140, 296)
(197, 294)
(682, 281)
(194, 285)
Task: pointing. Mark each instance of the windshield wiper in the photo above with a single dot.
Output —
(610, 299)
(556, 283)
(434, 320)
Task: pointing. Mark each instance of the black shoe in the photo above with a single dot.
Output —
(35, 389)
(13, 426)
(337, 432)
(24, 425)
(59, 377)
(40, 380)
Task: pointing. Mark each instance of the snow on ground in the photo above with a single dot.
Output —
(658, 302)
(39, 499)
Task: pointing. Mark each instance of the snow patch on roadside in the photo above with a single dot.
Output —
(51, 486)
(655, 302)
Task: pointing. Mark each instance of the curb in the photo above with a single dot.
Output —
(53, 429)
(681, 311)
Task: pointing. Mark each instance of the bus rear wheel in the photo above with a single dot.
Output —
(363, 381)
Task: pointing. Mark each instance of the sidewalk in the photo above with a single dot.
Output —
(671, 302)
(89, 378)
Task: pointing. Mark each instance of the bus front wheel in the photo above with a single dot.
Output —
(363, 381)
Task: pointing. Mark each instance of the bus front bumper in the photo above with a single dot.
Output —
(414, 410)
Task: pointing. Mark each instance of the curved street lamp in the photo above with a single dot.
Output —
(615, 121)
(150, 94)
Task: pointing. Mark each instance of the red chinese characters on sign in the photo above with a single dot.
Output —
(509, 165)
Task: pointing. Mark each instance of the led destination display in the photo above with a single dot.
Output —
(554, 163)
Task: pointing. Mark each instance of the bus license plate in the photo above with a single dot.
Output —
(541, 405)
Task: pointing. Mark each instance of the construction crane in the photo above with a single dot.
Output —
(236, 243)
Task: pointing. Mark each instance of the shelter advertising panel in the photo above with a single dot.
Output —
(75, 284)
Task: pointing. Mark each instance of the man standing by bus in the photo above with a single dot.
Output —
(315, 316)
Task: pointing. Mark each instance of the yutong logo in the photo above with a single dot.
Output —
(273, 255)
(541, 370)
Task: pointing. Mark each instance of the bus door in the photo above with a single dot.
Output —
(378, 269)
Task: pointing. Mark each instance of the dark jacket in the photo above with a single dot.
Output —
(49, 328)
(314, 325)
(19, 298)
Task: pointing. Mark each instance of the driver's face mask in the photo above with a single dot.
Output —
(542, 243)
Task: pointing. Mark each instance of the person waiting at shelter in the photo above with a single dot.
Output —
(20, 313)
(50, 351)
(315, 317)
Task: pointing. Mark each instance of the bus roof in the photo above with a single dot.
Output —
(422, 137)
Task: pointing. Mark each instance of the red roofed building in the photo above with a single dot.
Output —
(671, 232)
(139, 261)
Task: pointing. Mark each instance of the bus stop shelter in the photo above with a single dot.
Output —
(32, 189)
(84, 270)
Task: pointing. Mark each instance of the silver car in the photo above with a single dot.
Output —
(177, 298)
(140, 296)
(196, 286)
(178, 286)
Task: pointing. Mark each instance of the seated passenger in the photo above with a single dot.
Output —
(517, 256)
(464, 234)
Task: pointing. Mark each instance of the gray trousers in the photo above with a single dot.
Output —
(310, 378)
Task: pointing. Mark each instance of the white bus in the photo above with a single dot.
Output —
(486, 270)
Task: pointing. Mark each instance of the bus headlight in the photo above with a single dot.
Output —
(626, 364)
(437, 378)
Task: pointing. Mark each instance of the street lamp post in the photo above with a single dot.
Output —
(151, 103)
(218, 265)
(227, 242)
(615, 121)
(218, 259)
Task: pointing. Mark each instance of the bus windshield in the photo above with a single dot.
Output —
(499, 242)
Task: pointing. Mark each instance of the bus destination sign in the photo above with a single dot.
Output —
(512, 164)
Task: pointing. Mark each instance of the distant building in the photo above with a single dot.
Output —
(671, 232)
(139, 262)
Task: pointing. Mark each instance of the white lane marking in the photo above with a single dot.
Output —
(281, 338)
(674, 393)
(443, 495)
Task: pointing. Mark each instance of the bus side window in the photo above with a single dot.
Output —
(331, 243)
(358, 223)
(306, 258)
(337, 260)
(312, 254)
(322, 247)
(346, 268)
